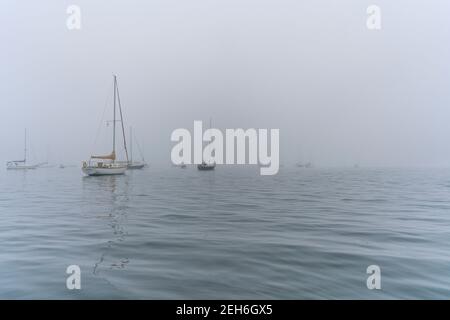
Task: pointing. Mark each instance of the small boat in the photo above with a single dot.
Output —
(46, 165)
(107, 164)
(134, 165)
(306, 165)
(64, 166)
(206, 166)
(21, 164)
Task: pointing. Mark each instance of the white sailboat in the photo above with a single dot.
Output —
(107, 164)
(134, 164)
(21, 164)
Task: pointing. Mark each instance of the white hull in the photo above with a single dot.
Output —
(96, 171)
(24, 167)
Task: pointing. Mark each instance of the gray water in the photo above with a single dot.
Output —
(171, 233)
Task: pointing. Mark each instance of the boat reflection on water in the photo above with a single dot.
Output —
(113, 201)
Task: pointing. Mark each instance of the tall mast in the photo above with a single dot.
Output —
(121, 121)
(25, 147)
(209, 137)
(131, 144)
(114, 120)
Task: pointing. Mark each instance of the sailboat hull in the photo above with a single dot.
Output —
(24, 167)
(134, 166)
(206, 167)
(95, 171)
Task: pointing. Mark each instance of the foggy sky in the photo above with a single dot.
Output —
(339, 93)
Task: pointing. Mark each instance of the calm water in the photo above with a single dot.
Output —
(180, 234)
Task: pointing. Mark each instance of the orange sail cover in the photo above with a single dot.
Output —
(111, 156)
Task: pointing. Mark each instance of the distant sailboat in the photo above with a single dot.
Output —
(204, 166)
(306, 165)
(21, 164)
(46, 165)
(107, 165)
(134, 164)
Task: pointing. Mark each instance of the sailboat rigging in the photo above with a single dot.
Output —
(134, 164)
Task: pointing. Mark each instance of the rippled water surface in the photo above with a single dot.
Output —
(174, 233)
